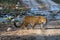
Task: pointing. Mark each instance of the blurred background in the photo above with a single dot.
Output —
(14, 11)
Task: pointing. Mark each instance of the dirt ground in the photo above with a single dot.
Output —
(48, 34)
(32, 34)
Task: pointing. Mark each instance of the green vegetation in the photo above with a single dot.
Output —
(10, 5)
(6, 10)
(9, 1)
(57, 1)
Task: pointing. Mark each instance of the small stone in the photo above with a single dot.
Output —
(9, 29)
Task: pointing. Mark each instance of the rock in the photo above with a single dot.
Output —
(9, 29)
